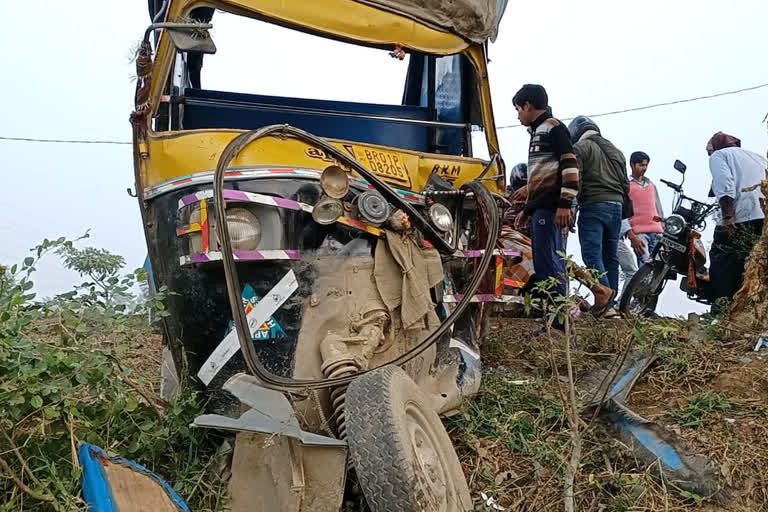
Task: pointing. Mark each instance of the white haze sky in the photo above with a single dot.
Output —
(68, 75)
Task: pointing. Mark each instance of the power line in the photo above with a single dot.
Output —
(63, 141)
(656, 105)
(504, 127)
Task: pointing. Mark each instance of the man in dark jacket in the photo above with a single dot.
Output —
(604, 189)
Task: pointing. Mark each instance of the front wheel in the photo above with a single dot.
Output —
(642, 292)
(399, 449)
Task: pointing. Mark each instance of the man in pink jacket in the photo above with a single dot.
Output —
(646, 232)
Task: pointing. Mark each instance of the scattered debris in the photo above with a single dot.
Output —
(762, 342)
(649, 442)
(490, 502)
(116, 484)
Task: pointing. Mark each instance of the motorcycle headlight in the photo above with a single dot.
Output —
(674, 224)
(244, 229)
(441, 217)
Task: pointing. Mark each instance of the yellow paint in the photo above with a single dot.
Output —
(176, 154)
(345, 19)
(478, 58)
(171, 155)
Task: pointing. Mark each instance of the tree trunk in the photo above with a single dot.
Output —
(755, 287)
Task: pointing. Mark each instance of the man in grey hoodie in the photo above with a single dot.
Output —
(604, 190)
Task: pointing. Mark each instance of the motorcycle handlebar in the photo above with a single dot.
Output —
(671, 185)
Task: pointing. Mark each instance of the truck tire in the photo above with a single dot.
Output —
(402, 455)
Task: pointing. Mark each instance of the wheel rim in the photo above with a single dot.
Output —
(642, 295)
(639, 301)
(429, 458)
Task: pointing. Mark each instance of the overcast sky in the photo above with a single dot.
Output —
(70, 76)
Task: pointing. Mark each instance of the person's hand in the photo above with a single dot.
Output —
(637, 244)
(563, 218)
(521, 220)
(520, 194)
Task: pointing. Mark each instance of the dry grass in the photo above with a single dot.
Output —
(513, 438)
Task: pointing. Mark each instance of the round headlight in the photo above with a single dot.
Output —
(327, 210)
(334, 182)
(373, 207)
(674, 224)
(244, 229)
(441, 217)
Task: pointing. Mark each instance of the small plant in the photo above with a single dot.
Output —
(62, 382)
(700, 407)
(692, 496)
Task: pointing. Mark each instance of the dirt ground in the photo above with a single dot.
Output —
(707, 386)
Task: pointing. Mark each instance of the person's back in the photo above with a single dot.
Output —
(601, 198)
(735, 169)
(735, 174)
(603, 170)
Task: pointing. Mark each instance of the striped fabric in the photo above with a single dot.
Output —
(519, 272)
(553, 173)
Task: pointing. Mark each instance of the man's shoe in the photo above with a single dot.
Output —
(603, 300)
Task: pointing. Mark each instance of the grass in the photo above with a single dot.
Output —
(700, 409)
(512, 438)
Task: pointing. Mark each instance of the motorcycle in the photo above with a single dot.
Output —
(679, 252)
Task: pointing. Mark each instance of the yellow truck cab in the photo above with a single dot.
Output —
(326, 256)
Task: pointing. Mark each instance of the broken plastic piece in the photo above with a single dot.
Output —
(115, 484)
(490, 502)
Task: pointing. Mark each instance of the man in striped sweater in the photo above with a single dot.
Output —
(553, 183)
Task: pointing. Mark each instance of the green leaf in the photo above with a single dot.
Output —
(131, 404)
(28, 261)
(14, 268)
(27, 285)
(36, 401)
(692, 496)
(50, 413)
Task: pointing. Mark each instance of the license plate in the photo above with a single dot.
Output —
(674, 245)
(386, 165)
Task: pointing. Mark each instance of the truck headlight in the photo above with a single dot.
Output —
(674, 224)
(244, 229)
(441, 217)
(327, 210)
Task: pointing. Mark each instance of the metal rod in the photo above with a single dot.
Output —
(263, 106)
(431, 100)
(269, 380)
(488, 167)
(177, 26)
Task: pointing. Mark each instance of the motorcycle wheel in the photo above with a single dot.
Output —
(638, 298)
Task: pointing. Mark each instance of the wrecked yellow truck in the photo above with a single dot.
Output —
(329, 260)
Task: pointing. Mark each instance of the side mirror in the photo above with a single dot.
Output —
(680, 166)
(192, 39)
(186, 37)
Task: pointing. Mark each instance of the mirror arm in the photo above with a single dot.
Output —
(178, 26)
